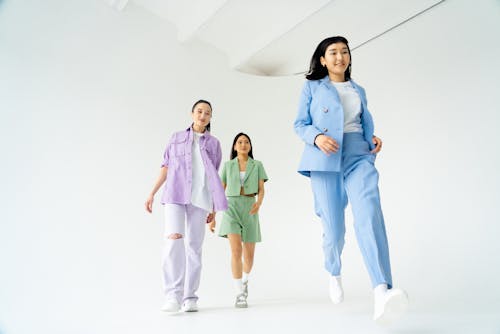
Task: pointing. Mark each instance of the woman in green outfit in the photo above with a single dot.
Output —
(243, 180)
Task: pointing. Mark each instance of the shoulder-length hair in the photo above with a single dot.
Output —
(316, 70)
(234, 154)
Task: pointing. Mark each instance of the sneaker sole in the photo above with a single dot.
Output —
(394, 308)
(241, 306)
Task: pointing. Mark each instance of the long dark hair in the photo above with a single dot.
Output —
(234, 154)
(316, 70)
(202, 101)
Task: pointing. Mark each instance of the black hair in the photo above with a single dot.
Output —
(316, 70)
(210, 105)
(233, 151)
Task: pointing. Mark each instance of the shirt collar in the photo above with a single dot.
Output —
(204, 134)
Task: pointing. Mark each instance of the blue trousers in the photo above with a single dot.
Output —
(357, 182)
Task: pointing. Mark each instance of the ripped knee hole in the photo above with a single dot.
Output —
(175, 236)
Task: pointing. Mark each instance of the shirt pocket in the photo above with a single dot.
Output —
(179, 148)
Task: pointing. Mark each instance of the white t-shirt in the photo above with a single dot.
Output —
(200, 194)
(351, 103)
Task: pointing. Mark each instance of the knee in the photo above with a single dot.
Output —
(248, 258)
(175, 236)
(236, 253)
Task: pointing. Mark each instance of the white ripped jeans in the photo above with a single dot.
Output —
(183, 240)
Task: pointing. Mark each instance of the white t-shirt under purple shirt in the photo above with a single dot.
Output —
(200, 194)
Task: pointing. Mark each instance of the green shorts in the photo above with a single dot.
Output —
(237, 220)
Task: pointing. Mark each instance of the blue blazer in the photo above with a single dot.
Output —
(320, 112)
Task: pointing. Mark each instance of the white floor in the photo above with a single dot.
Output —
(218, 316)
(299, 316)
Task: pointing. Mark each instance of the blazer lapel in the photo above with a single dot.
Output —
(326, 82)
(250, 166)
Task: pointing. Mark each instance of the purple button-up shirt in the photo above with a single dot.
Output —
(178, 159)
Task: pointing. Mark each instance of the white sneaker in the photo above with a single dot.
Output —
(245, 288)
(171, 305)
(190, 305)
(390, 306)
(336, 291)
(241, 301)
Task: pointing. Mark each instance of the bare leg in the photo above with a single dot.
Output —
(236, 255)
(248, 255)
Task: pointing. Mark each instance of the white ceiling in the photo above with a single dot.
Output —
(278, 37)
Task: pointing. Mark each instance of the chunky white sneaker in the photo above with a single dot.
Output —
(336, 291)
(390, 306)
(241, 301)
(245, 288)
(171, 305)
(190, 305)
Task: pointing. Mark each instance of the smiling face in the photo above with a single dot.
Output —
(242, 145)
(202, 114)
(336, 60)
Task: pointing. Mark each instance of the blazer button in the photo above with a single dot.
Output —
(325, 130)
(325, 109)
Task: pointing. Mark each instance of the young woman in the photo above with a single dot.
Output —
(334, 122)
(243, 180)
(191, 196)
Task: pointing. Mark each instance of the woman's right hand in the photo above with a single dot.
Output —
(326, 144)
(149, 204)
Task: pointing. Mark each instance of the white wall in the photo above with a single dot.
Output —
(89, 97)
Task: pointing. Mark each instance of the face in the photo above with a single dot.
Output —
(242, 145)
(336, 59)
(202, 114)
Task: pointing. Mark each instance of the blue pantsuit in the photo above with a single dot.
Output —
(346, 175)
(356, 182)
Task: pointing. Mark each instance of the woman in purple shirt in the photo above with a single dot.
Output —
(191, 196)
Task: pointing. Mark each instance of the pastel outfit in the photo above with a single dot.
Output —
(348, 174)
(192, 190)
(237, 219)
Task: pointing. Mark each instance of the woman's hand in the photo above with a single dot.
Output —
(326, 144)
(255, 208)
(211, 226)
(211, 221)
(378, 144)
(149, 204)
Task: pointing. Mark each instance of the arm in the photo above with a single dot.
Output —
(303, 122)
(304, 128)
(160, 180)
(211, 217)
(260, 198)
(376, 141)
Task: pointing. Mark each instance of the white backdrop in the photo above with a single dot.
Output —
(89, 97)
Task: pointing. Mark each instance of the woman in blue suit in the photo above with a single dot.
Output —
(339, 155)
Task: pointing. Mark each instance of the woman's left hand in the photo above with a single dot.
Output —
(211, 221)
(378, 144)
(255, 208)
(211, 226)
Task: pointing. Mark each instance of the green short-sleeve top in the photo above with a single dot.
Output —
(231, 177)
